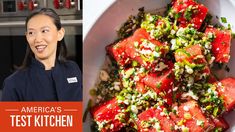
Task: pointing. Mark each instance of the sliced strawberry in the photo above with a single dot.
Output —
(220, 44)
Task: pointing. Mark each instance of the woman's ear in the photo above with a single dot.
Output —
(61, 33)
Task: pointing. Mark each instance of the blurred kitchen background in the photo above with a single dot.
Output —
(12, 30)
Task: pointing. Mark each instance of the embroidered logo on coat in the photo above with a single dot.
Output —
(72, 80)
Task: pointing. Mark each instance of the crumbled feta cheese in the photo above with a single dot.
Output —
(134, 109)
(119, 101)
(186, 108)
(162, 113)
(161, 66)
(151, 46)
(111, 126)
(173, 32)
(175, 108)
(200, 123)
(117, 83)
(150, 18)
(190, 81)
(180, 32)
(175, 88)
(126, 102)
(136, 78)
(189, 70)
(190, 94)
(117, 88)
(136, 44)
(145, 52)
(211, 60)
(156, 54)
(173, 46)
(101, 124)
(111, 88)
(142, 70)
(157, 126)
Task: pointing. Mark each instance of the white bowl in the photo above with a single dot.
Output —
(103, 18)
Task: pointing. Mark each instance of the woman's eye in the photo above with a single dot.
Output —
(45, 30)
(30, 33)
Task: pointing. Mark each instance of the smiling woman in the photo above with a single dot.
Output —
(45, 74)
(42, 36)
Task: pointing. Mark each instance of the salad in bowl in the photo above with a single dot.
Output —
(163, 72)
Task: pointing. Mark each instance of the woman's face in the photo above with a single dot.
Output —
(42, 36)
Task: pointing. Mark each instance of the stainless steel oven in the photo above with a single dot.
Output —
(12, 29)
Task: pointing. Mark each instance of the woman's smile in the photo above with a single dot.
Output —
(40, 48)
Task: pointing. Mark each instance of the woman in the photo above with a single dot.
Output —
(45, 74)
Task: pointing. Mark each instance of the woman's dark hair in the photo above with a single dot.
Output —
(61, 52)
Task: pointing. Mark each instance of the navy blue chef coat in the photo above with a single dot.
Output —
(61, 83)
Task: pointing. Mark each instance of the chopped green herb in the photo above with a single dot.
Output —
(229, 26)
(131, 25)
(177, 15)
(227, 68)
(159, 85)
(206, 22)
(215, 111)
(220, 65)
(218, 129)
(134, 63)
(157, 48)
(188, 13)
(224, 20)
